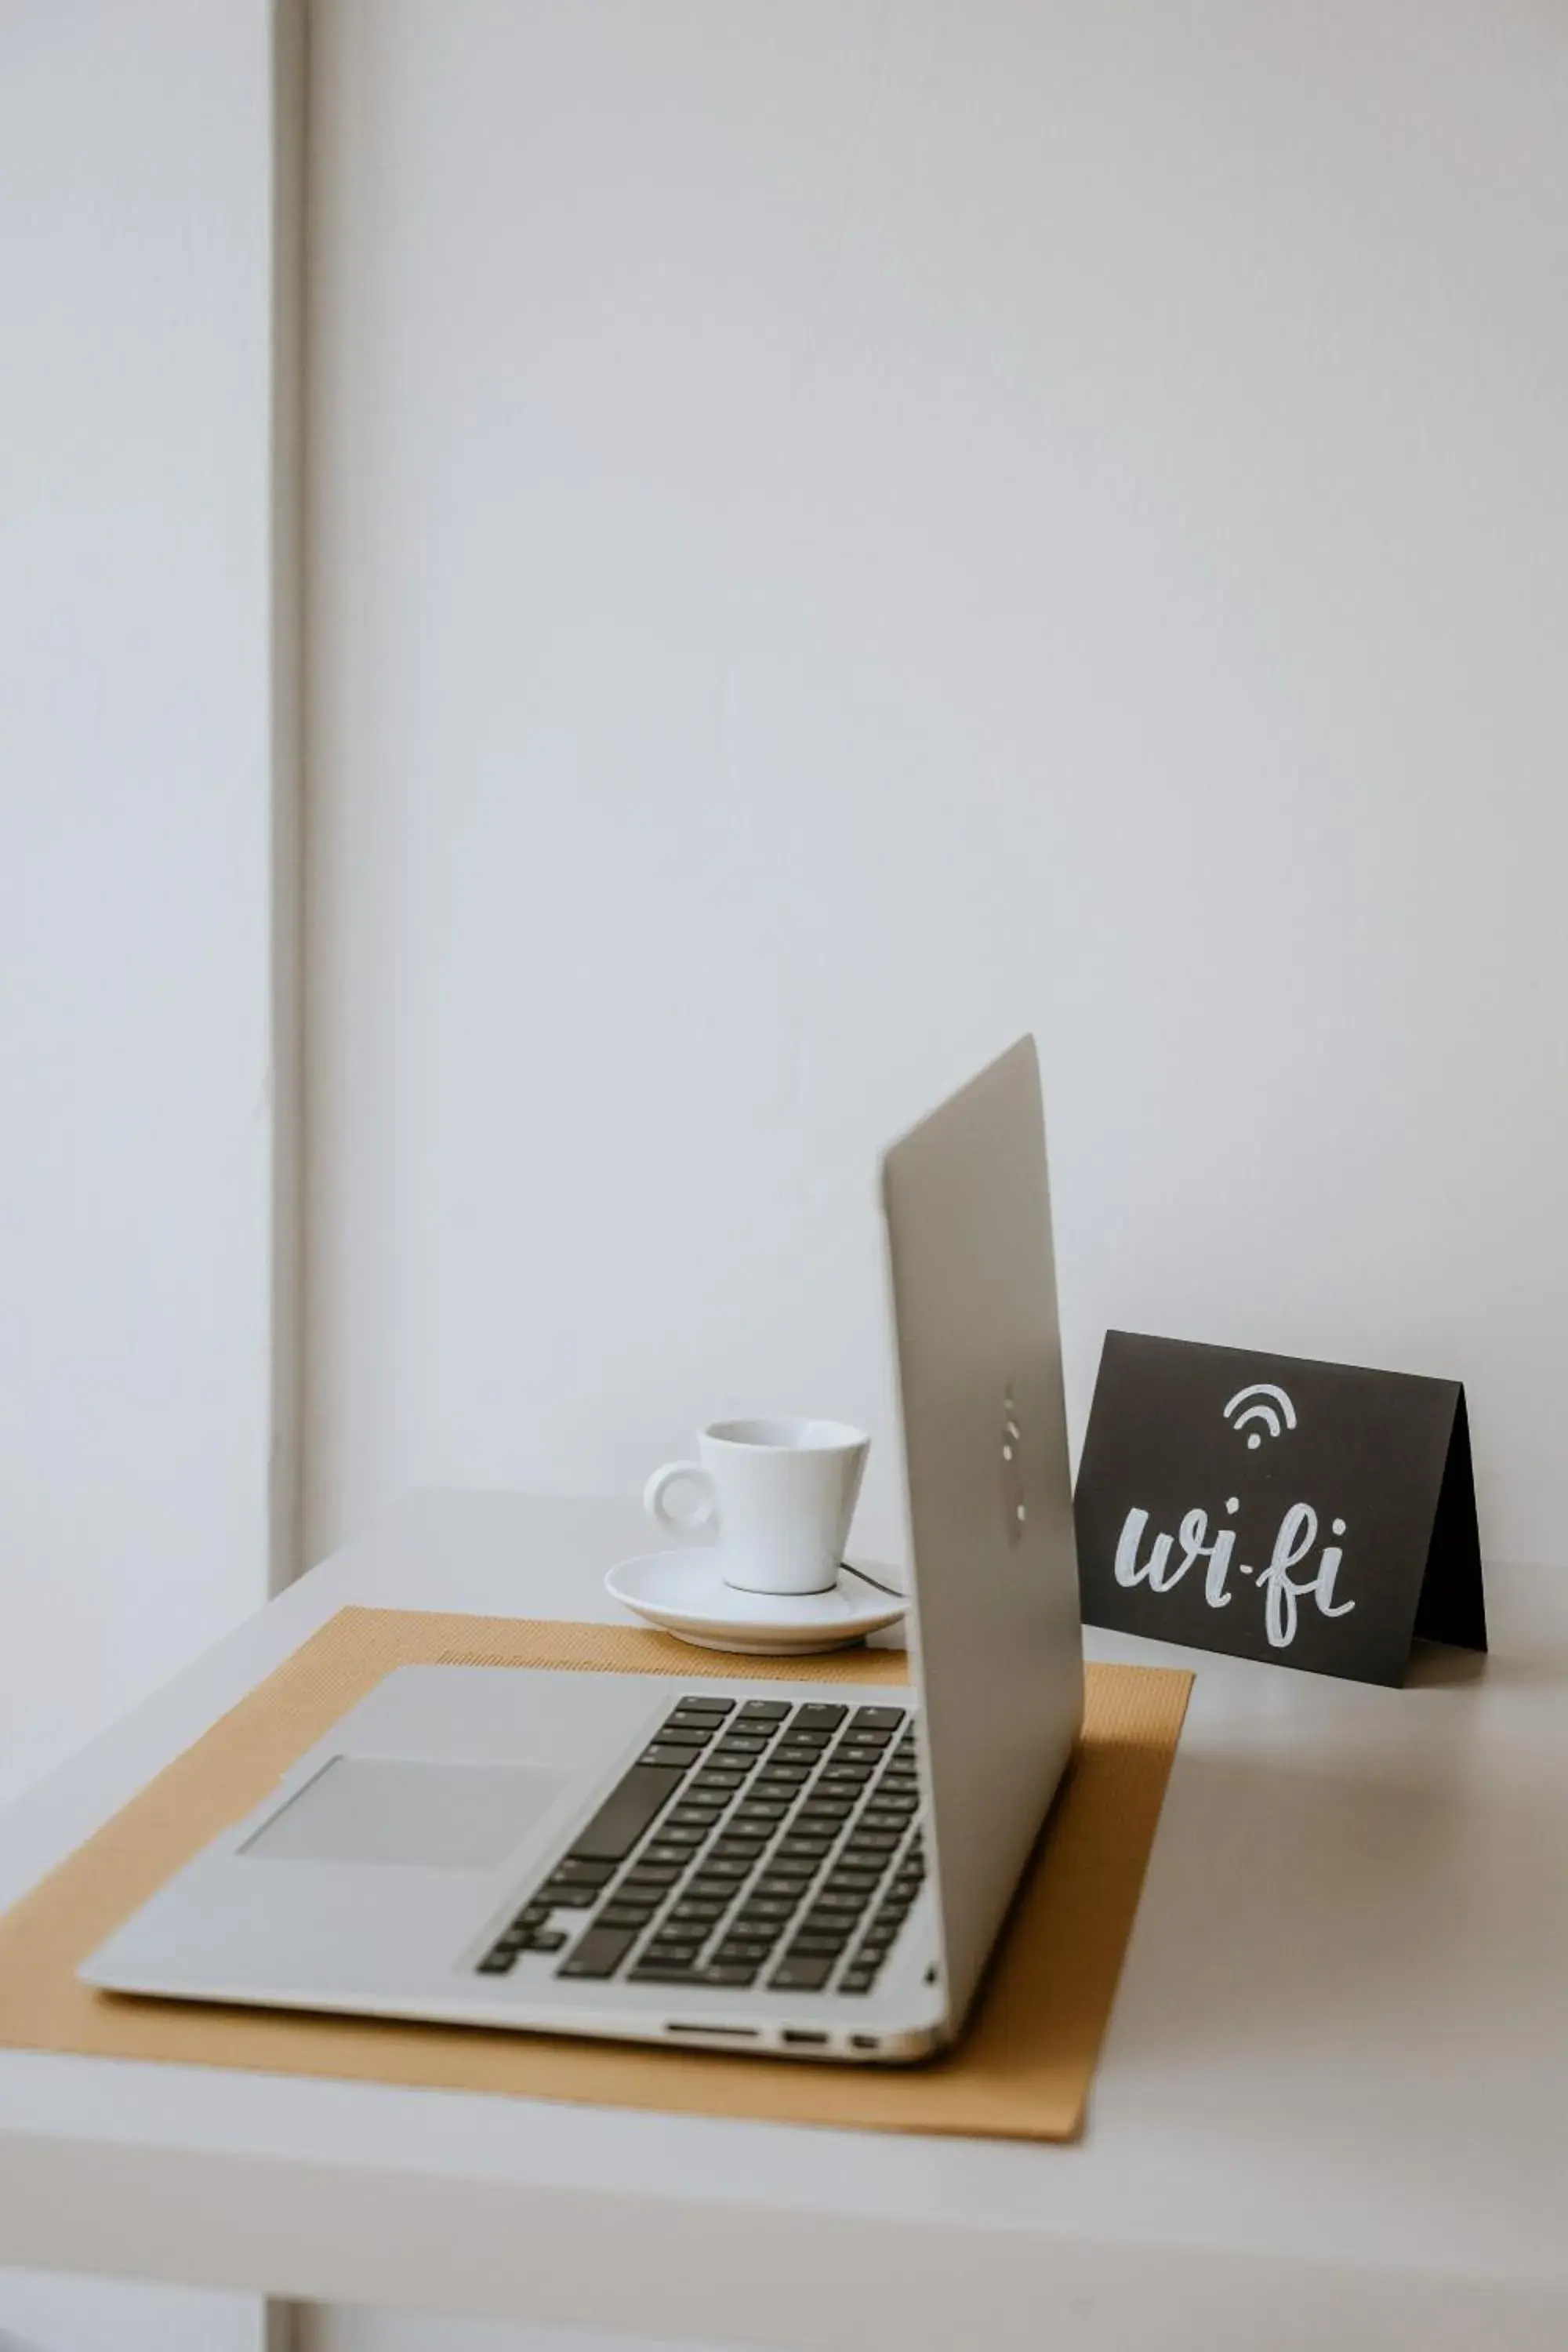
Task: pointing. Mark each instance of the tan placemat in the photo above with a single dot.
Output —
(1022, 2071)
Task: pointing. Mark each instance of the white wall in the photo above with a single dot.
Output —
(136, 848)
(140, 765)
(848, 530)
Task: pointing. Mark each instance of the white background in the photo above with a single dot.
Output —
(135, 851)
(844, 531)
(136, 984)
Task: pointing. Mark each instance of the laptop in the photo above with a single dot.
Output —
(776, 1867)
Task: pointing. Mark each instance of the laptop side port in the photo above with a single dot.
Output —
(720, 2032)
(796, 2038)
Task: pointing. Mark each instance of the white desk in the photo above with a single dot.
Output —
(1332, 2111)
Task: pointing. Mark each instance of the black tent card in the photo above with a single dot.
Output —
(1310, 1515)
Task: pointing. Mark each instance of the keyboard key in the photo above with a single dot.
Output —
(625, 1914)
(802, 1743)
(698, 1910)
(661, 1753)
(845, 1904)
(878, 1719)
(818, 1718)
(760, 1817)
(858, 1979)
(707, 1703)
(498, 1963)
(688, 1719)
(599, 1953)
(801, 1866)
(769, 1907)
(671, 1945)
(718, 1867)
(864, 1743)
(720, 1783)
(661, 1856)
(546, 1939)
(578, 1871)
(807, 1974)
(741, 1930)
(737, 1849)
(663, 1972)
(748, 1952)
(569, 1898)
(818, 1942)
(674, 1834)
(851, 1882)
(811, 1849)
(783, 1776)
(729, 1972)
(763, 1710)
(690, 1817)
(685, 1735)
(625, 1814)
(735, 1743)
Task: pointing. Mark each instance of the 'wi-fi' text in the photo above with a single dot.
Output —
(1173, 1558)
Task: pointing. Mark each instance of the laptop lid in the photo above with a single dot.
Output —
(996, 1635)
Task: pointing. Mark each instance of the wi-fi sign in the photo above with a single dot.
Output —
(1263, 1402)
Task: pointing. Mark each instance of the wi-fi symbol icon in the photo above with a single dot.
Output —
(1261, 1400)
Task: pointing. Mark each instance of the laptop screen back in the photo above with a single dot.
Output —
(995, 1628)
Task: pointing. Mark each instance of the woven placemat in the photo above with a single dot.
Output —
(1022, 2071)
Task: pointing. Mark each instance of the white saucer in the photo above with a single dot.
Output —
(685, 1592)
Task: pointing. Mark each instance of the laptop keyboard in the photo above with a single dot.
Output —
(755, 1844)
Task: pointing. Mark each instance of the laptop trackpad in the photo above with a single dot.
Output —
(422, 1816)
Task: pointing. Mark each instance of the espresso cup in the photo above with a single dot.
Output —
(781, 1494)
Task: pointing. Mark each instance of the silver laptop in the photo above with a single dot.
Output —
(774, 1867)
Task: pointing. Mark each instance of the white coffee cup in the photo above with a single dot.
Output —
(782, 1494)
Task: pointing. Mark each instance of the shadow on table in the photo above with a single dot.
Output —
(1297, 1909)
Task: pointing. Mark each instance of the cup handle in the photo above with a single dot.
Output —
(690, 1523)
